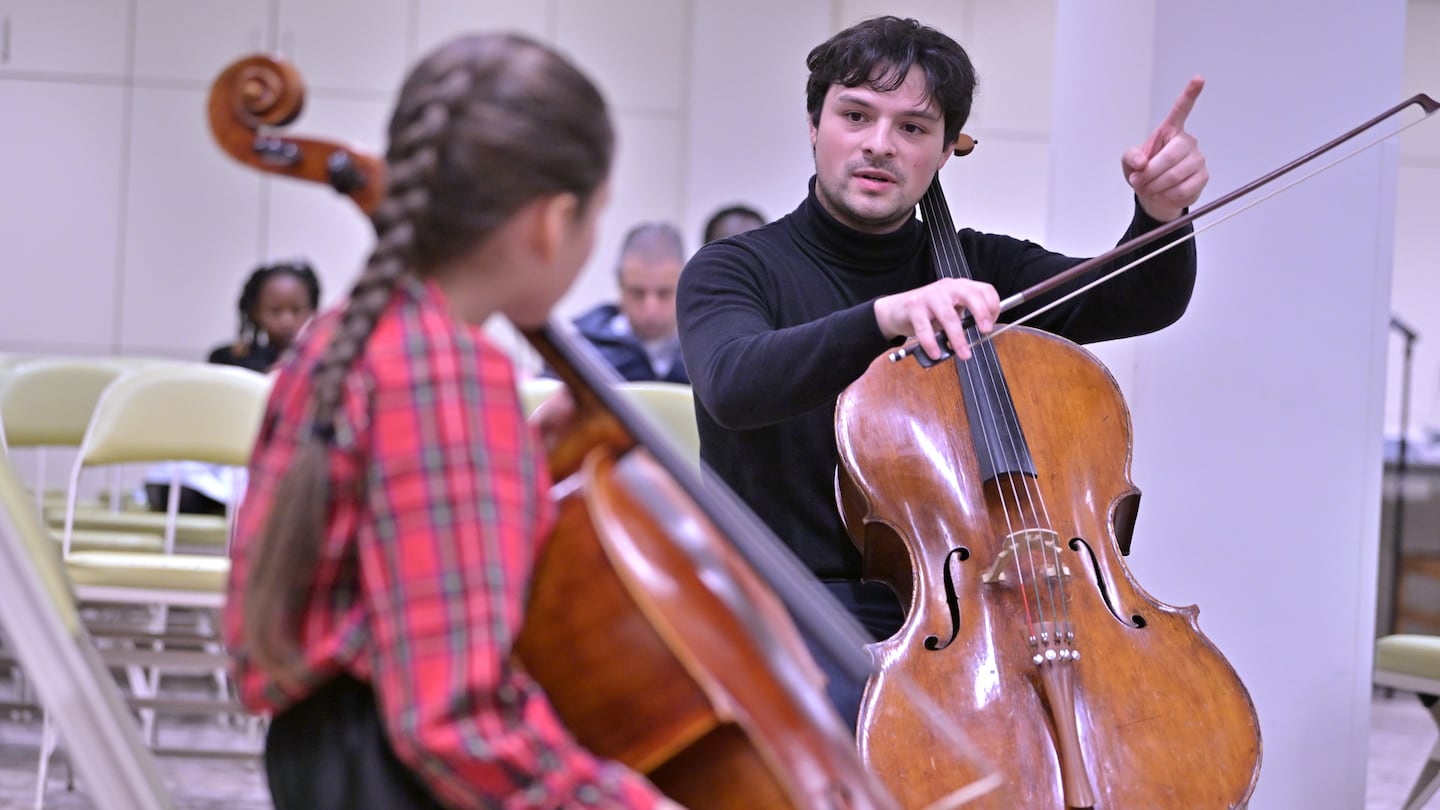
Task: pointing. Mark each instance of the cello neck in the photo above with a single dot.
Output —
(999, 442)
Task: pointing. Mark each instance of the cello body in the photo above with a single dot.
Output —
(661, 649)
(1025, 625)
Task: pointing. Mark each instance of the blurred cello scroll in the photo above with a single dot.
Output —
(665, 623)
(258, 94)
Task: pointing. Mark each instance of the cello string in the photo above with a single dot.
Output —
(944, 239)
(989, 363)
(1008, 303)
(949, 267)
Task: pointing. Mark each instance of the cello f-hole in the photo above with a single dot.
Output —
(952, 600)
(1136, 620)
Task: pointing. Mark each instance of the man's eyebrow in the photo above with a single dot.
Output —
(928, 112)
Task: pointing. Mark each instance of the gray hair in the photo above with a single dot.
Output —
(652, 241)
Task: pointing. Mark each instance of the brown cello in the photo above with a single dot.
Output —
(1024, 619)
(647, 625)
(994, 496)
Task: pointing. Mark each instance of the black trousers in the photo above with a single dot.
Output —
(192, 502)
(329, 752)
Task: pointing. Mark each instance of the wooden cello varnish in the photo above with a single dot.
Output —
(1081, 688)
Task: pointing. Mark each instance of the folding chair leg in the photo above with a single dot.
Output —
(49, 740)
(1429, 779)
(140, 687)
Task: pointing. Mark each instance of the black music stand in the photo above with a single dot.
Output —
(1397, 528)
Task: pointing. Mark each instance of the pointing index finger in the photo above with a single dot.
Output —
(1184, 104)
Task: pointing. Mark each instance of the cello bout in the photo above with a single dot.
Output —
(1083, 689)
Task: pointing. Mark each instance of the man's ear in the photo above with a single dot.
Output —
(555, 216)
(946, 153)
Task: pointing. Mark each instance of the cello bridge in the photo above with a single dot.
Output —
(1028, 552)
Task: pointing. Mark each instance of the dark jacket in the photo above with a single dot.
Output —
(255, 357)
(623, 350)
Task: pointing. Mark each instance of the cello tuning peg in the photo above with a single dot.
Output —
(964, 145)
(345, 176)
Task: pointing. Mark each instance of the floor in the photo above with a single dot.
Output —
(1402, 735)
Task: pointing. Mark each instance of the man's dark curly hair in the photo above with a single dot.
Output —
(880, 52)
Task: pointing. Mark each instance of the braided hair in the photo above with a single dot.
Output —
(484, 125)
(250, 335)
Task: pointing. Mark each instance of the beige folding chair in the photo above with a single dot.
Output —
(672, 406)
(46, 405)
(535, 390)
(172, 412)
(1411, 663)
(37, 610)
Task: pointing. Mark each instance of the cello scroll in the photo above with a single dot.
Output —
(259, 92)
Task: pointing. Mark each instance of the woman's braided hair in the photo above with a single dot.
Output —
(484, 125)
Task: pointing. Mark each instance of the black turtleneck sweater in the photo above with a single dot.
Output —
(776, 322)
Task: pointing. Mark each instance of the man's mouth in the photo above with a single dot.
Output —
(873, 176)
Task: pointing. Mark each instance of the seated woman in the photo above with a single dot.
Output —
(278, 299)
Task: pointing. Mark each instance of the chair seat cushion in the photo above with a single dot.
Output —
(194, 530)
(1411, 654)
(175, 572)
(95, 540)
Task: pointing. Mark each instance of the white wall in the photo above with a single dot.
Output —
(1257, 416)
(1416, 298)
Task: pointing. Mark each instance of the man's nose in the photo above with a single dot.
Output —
(878, 141)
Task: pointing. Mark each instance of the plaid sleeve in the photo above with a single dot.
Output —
(451, 488)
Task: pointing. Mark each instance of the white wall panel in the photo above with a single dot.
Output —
(748, 140)
(1416, 298)
(1422, 75)
(645, 184)
(1000, 188)
(345, 46)
(60, 214)
(1013, 47)
(439, 20)
(951, 16)
(193, 40)
(192, 229)
(75, 38)
(636, 49)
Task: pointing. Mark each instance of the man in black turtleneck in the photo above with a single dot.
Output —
(777, 321)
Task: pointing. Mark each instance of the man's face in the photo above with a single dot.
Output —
(876, 152)
(647, 295)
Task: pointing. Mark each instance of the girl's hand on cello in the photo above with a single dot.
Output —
(554, 416)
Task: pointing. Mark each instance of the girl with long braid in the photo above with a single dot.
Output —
(397, 497)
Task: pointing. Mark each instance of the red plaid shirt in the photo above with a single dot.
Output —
(438, 506)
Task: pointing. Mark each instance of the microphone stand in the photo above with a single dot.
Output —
(1397, 528)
